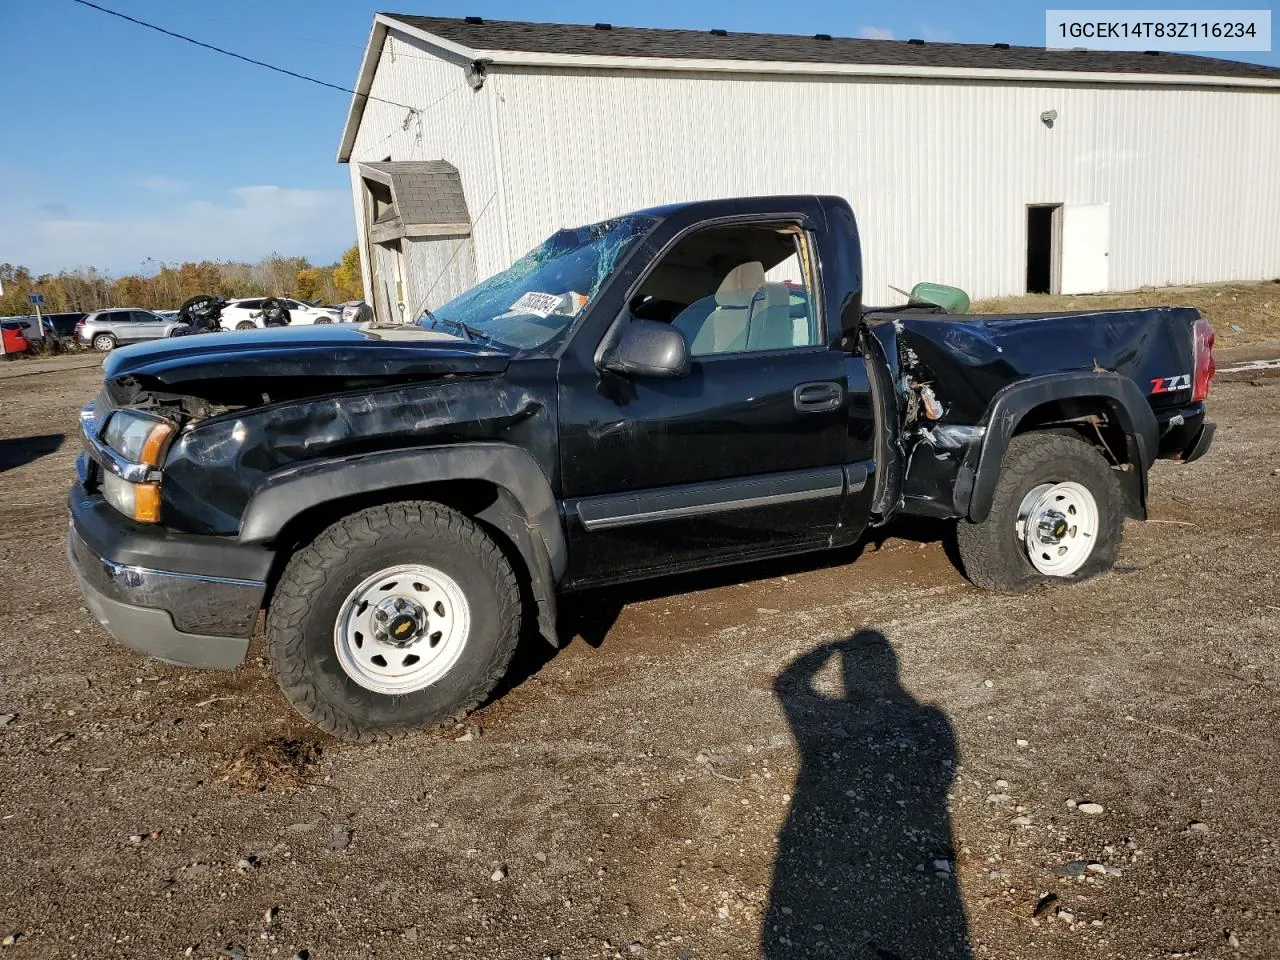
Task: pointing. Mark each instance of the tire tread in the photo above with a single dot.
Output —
(305, 577)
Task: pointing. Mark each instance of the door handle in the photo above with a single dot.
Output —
(818, 397)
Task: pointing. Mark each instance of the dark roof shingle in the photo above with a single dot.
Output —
(511, 35)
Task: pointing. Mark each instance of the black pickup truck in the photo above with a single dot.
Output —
(681, 387)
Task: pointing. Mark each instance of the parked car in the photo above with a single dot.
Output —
(13, 340)
(356, 311)
(62, 325)
(107, 329)
(640, 402)
(246, 313)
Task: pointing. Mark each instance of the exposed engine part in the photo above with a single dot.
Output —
(948, 436)
(933, 408)
(907, 390)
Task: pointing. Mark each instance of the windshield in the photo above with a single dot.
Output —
(539, 296)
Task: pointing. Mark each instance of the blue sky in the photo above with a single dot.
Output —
(120, 144)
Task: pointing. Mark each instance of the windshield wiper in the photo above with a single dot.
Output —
(473, 334)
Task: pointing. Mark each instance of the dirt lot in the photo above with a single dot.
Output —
(834, 759)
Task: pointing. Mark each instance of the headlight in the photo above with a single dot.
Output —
(137, 438)
(138, 501)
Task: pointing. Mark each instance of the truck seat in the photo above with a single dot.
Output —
(772, 326)
(725, 328)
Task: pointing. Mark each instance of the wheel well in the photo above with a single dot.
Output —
(472, 497)
(1094, 420)
(1091, 418)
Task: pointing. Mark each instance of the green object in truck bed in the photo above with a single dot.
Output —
(950, 299)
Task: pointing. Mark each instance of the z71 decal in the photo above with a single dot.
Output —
(1169, 384)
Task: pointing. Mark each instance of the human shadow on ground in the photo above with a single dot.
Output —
(16, 451)
(865, 865)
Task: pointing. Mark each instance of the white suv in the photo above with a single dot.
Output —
(247, 314)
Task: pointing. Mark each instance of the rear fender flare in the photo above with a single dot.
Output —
(525, 511)
(1124, 400)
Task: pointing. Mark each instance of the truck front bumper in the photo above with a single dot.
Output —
(198, 609)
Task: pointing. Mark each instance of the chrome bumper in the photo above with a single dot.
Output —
(182, 618)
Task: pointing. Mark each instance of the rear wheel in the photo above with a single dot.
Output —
(104, 343)
(394, 619)
(246, 325)
(1057, 514)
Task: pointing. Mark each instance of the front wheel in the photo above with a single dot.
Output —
(1057, 514)
(246, 325)
(394, 619)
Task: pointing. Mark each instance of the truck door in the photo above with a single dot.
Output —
(745, 456)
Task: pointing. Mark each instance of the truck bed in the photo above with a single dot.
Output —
(968, 359)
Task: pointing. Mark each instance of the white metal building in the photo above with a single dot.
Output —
(992, 168)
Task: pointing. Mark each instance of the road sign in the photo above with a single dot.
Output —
(36, 299)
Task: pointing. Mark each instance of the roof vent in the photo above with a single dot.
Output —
(604, 26)
(474, 20)
(1001, 46)
(822, 36)
(917, 42)
(719, 33)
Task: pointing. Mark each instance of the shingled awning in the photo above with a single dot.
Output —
(426, 200)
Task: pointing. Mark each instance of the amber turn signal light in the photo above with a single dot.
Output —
(146, 503)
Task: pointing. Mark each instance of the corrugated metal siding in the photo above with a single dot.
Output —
(939, 173)
(454, 125)
(438, 270)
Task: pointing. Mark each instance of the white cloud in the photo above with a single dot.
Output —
(159, 183)
(250, 223)
(875, 33)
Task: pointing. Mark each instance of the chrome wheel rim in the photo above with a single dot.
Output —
(1058, 526)
(402, 629)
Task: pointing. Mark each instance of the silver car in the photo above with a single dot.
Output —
(107, 329)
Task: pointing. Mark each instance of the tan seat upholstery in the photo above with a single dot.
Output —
(725, 328)
(772, 327)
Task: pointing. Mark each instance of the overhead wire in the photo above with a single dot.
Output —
(238, 56)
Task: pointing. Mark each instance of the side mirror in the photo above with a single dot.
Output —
(649, 349)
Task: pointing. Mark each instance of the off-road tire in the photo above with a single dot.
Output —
(320, 575)
(992, 554)
(104, 342)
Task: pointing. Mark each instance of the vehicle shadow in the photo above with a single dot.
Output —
(865, 864)
(17, 451)
(591, 614)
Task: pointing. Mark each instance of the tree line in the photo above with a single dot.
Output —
(85, 288)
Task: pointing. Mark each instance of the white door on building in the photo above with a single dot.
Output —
(1086, 244)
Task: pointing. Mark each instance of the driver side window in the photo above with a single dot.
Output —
(737, 289)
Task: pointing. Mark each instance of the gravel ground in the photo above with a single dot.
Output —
(865, 759)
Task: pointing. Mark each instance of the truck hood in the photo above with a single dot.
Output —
(324, 352)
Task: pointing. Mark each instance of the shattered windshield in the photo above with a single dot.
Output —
(540, 295)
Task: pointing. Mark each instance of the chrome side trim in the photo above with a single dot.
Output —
(692, 500)
(197, 604)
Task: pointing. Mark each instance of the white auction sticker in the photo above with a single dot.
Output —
(1159, 30)
(537, 304)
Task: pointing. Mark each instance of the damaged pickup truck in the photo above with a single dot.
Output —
(682, 387)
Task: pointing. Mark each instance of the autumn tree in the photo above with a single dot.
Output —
(347, 281)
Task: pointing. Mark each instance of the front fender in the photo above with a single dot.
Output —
(976, 482)
(526, 510)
